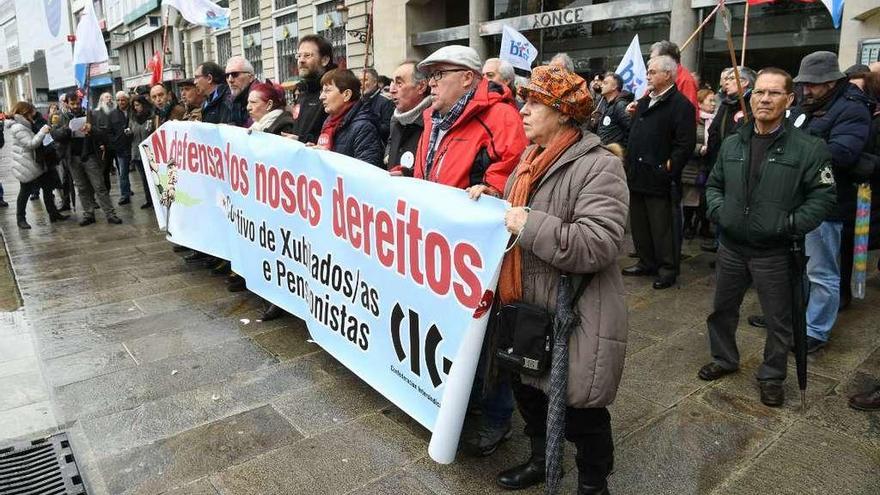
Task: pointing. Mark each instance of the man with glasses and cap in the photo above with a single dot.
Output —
(193, 99)
(239, 76)
(473, 136)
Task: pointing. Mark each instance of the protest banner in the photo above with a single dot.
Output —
(393, 276)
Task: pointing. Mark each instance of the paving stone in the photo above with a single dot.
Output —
(22, 389)
(188, 338)
(691, 449)
(850, 344)
(319, 408)
(807, 459)
(286, 343)
(637, 341)
(334, 462)
(72, 368)
(17, 346)
(26, 420)
(185, 297)
(28, 364)
(188, 409)
(193, 454)
(630, 412)
(200, 487)
(833, 412)
(131, 387)
(398, 482)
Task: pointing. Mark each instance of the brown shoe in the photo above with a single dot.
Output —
(866, 401)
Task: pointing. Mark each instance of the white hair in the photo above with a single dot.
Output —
(121, 94)
(665, 63)
(564, 60)
(505, 69)
(245, 65)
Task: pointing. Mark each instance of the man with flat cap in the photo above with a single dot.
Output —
(193, 99)
(472, 136)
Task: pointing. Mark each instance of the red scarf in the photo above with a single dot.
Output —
(331, 125)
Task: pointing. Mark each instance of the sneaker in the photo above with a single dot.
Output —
(486, 438)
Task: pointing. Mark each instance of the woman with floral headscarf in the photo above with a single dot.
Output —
(569, 203)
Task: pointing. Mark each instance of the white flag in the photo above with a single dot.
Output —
(201, 12)
(89, 47)
(632, 69)
(516, 49)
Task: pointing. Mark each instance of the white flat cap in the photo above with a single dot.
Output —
(463, 56)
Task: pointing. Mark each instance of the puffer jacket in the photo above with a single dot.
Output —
(358, 135)
(577, 225)
(482, 147)
(844, 124)
(794, 192)
(24, 143)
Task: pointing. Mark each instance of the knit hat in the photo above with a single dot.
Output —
(561, 90)
(818, 68)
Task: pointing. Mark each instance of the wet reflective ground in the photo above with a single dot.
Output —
(167, 383)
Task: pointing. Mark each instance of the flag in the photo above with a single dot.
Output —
(632, 69)
(835, 8)
(516, 49)
(201, 12)
(89, 47)
(155, 65)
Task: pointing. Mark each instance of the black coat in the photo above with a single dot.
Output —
(725, 123)
(238, 114)
(384, 109)
(216, 109)
(120, 142)
(666, 132)
(358, 135)
(844, 124)
(618, 120)
(284, 123)
(404, 138)
(308, 112)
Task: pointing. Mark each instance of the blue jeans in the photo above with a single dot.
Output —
(122, 163)
(822, 245)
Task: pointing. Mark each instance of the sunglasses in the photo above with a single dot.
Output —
(235, 74)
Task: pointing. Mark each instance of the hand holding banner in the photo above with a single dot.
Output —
(393, 276)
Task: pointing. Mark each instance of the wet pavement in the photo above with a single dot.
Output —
(167, 383)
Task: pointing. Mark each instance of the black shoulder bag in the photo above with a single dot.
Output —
(525, 334)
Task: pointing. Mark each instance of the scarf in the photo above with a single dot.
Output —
(331, 125)
(529, 172)
(413, 115)
(818, 107)
(267, 120)
(444, 123)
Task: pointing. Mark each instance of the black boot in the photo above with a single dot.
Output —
(529, 474)
(595, 460)
(22, 224)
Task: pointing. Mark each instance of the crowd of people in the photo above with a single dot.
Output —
(766, 164)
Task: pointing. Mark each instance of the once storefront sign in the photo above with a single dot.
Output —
(578, 15)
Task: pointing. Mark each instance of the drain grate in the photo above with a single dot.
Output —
(40, 467)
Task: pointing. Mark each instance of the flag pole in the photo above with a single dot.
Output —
(725, 17)
(701, 26)
(745, 34)
(164, 39)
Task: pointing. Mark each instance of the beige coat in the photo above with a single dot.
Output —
(577, 225)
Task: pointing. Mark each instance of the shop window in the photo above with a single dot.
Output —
(286, 41)
(224, 48)
(252, 41)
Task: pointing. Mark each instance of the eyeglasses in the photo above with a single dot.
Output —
(437, 75)
(235, 74)
(760, 93)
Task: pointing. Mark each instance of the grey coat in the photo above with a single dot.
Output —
(577, 225)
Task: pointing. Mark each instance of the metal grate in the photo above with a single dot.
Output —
(40, 467)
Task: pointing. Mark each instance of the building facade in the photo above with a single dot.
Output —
(597, 33)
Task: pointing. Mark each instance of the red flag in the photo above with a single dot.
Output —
(155, 65)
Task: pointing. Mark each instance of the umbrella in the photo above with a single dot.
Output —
(563, 324)
(860, 243)
(798, 267)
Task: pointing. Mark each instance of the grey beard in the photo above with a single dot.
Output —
(105, 108)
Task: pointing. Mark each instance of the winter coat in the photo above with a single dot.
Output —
(728, 118)
(844, 124)
(384, 109)
(308, 111)
(482, 147)
(284, 123)
(139, 132)
(794, 193)
(24, 143)
(663, 133)
(215, 110)
(358, 135)
(238, 114)
(70, 145)
(577, 225)
(614, 122)
(406, 129)
(120, 142)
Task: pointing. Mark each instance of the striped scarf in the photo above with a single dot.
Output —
(444, 123)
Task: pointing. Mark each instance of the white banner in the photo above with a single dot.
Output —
(394, 276)
(517, 49)
(201, 12)
(632, 69)
(89, 47)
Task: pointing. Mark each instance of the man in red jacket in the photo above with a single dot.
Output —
(473, 133)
